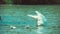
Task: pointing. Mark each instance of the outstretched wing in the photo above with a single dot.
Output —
(38, 13)
(34, 16)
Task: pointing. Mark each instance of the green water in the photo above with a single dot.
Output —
(16, 15)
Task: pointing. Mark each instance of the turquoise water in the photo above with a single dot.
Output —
(16, 15)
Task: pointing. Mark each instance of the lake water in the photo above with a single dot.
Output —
(16, 15)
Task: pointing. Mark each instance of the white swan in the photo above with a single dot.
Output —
(40, 20)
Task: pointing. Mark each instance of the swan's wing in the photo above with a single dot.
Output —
(41, 15)
(34, 16)
(38, 13)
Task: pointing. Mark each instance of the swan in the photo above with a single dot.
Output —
(40, 20)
